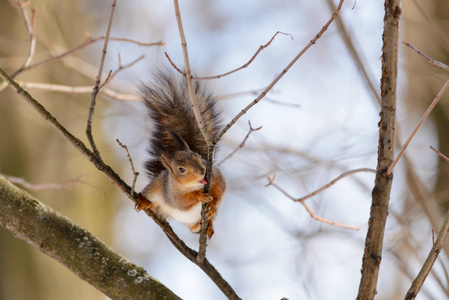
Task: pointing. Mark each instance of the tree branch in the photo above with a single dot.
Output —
(283, 72)
(431, 258)
(206, 266)
(75, 248)
(381, 192)
(97, 87)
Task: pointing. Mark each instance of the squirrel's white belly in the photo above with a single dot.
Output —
(189, 216)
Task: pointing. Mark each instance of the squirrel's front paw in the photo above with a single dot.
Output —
(141, 203)
(206, 198)
(211, 210)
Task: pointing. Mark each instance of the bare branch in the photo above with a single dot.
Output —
(432, 61)
(97, 84)
(235, 70)
(382, 185)
(423, 118)
(136, 174)
(248, 63)
(431, 258)
(440, 154)
(242, 144)
(77, 90)
(173, 65)
(128, 65)
(334, 181)
(66, 242)
(202, 127)
(188, 76)
(272, 84)
(206, 266)
(43, 186)
(271, 182)
(30, 24)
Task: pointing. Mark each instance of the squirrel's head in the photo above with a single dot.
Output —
(185, 166)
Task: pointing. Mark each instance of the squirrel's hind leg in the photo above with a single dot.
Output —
(196, 228)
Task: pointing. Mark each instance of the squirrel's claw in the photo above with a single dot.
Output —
(142, 203)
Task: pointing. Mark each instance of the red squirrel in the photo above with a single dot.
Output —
(177, 148)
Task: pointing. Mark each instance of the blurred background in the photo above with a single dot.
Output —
(319, 121)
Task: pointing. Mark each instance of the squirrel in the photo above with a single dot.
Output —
(177, 147)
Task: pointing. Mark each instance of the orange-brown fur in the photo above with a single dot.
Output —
(177, 147)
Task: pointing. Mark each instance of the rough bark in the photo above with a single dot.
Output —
(381, 192)
(75, 248)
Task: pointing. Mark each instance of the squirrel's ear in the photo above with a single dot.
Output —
(166, 159)
(179, 142)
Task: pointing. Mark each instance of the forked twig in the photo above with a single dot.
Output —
(283, 72)
(97, 84)
(135, 174)
(30, 24)
(334, 181)
(242, 144)
(302, 200)
(122, 67)
(261, 47)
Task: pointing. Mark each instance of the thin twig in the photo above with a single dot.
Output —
(423, 118)
(30, 24)
(440, 154)
(242, 144)
(97, 84)
(77, 90)
(88, 89)
(43, 186)
(334, 181)
(271, 181)
(88, 41)
(235, 70)
(135, 174)
(283, 72)
(254, 92)
(431, 258)
(173, 65)
(189, 253)
(245, 65)
(122, 67)
(432, 61)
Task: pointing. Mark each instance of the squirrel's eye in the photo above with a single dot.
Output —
(181, 170)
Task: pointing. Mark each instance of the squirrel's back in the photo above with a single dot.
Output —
(169, 106)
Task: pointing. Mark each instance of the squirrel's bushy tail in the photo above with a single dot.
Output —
(169, 106)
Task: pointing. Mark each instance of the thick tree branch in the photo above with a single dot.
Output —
(75, 248)
(382, 188)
